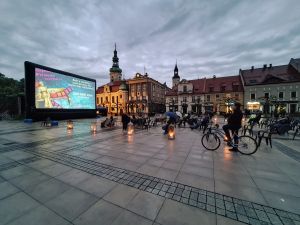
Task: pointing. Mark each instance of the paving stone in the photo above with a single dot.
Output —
(48, 190)
(29, 180)
(175, 213)
(100, 213)
(38, 216)
(262, 216)
(243, 218)
(7, 189)
(129, 218)
(16, 205)
(146, 204)
(221, 220)
(121, 195)
(231, 215)
(70, 204)
(15, 172)
(73, 177)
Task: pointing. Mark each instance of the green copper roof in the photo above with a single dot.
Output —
(116, 70)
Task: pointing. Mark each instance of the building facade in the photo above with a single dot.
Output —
(206, 94)
(222, 92)
(113, 95)
(145, 95)
(272, 88)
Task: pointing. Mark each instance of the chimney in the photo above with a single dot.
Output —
(214, 76)
(252, 68)
(265, 66)
(270, 66)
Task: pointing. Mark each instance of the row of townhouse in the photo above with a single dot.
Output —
(268, 89)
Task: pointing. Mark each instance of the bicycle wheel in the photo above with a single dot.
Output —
(210, 141)
(247, 145)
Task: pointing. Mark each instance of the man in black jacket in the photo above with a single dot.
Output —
(234, 123)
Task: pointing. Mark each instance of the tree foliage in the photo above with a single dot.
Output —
(10, 86)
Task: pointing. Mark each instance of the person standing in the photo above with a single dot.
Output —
(124, 121)
(234, 124)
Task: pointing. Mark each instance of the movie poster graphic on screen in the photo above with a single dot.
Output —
(58, 91)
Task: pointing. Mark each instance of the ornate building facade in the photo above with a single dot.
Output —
(206, 94)
(113, 95)
(146, 95)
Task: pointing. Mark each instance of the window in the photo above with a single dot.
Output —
(252, 96)
(280, 95)
(101, 100)
(293, 108)
(208, 98)
(184, 99)
(144, 87)
(293, 94)
(252, 81)
(106, 98)
(138, 88)
(184, 88)
(211, 89)
(113, 99)
(117, 99)
(97, 101)
(267, 95)
(193, 98)
(217, 96)
(223, 88)
(236, 96)
(120, 96)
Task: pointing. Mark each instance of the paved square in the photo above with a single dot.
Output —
(55, 177)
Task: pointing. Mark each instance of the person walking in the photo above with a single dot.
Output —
(234, 124)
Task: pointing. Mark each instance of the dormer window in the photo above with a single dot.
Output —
(211, 89)
(184, 88)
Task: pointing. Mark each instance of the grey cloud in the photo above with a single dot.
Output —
(206, 37)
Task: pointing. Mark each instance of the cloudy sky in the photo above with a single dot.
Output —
(206, 37)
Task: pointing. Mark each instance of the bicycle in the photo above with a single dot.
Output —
(211, 140)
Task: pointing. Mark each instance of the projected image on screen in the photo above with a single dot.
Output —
(58, 91)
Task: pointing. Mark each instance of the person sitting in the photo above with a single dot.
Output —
(170, 120)
(234, 124)
(111, 121)
(255, 120)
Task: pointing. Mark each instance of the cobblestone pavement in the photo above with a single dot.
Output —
(48, 175)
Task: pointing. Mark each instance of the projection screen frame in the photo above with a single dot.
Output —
(55, 113)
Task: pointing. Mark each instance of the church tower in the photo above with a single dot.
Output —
(115, 70)
(176, 77)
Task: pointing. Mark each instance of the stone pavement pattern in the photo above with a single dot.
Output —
(51, 176)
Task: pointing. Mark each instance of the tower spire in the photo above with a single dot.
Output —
(115, 70)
